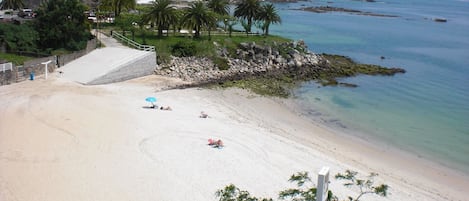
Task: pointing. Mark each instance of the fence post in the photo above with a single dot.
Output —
(45, 68)
(323, 184)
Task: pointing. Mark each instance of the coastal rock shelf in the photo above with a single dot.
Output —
(324, 9)
(250, 60)
(286, 63)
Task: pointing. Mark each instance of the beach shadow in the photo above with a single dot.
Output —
(149, 107)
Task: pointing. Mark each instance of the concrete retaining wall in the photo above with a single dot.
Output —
(138, 67)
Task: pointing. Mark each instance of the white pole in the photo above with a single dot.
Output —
(323, 184)
(46, 63)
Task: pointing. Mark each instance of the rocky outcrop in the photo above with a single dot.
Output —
(325, 9)
(250, 59)
(287, 63)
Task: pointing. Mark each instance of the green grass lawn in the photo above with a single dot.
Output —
(204, 46)
(15, 59)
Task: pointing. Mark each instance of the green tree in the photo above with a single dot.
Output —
(117, 5)
(18, 38)
(11, 4)
(269, 16)
(248, 10)
(233, 193)
(128, 22)
(198, 16)
(62, 24)
(220, 7)
(366, 186)
(305, 190)
(162, 14)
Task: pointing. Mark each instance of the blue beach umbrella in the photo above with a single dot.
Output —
(150, 99)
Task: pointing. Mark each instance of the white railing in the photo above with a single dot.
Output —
(6, 66)
(132, 43)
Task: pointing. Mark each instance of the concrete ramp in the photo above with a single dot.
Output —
(109, 65)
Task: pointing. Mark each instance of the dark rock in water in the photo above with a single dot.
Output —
(382, 57)
(343, 84)
(440, 20)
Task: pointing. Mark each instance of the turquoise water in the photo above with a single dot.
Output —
(424, 111)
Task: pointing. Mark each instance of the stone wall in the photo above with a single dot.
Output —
(21, 73)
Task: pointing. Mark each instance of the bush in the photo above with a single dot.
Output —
(221, 63)
(184, 49)
(305, 189)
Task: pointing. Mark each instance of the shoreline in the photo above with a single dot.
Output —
(100, 142)
(372, 151)
(335, 125)
(367, 154)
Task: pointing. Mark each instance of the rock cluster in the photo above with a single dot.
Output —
(251, 59)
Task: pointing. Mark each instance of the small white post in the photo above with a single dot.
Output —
(45, 63)
(323, 184)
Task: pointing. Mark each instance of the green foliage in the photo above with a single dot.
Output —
(366, 186)
(220, 7)
(127, 21)
(248, 10)
(16, 59)
(17, 38)
(197, 16)
(62, 24)
(184, 49)
(305, 190)
(161, 14)
(11, 4)
(233, 193)
(301, 192)
(117, 5)
(268, 15)
(221, 63)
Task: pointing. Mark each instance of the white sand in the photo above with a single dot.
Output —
(63, 141)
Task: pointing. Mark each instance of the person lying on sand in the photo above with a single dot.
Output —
(203, 115)
(215, 143)
(165, 108)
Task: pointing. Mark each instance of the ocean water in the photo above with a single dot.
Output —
(424, 111)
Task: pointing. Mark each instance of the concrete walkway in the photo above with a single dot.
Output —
(115, 62)
(108, 41)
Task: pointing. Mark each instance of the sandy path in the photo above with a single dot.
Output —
(64, 141)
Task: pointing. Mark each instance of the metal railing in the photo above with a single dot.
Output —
(132, 43)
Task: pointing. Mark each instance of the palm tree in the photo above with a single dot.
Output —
(11, 4)
(248, 10)
(197, 16)
(116, 5)
(270, 16)
(162, 14)
(219, 6)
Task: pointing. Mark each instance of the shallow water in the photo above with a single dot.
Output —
(426, 110)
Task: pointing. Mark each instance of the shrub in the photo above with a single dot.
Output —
(184, 49)
(221, 63)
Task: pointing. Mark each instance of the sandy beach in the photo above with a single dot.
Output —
(64, 141)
